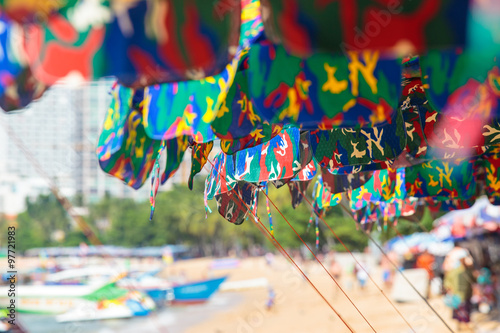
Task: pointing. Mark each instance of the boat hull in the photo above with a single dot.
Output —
(196, 292)
(45, 305)
(47, 299)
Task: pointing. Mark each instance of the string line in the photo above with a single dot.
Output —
(67, 205)
(278, 246)
(399, 270)
(315, 257)
(400, 236)
(355, 259)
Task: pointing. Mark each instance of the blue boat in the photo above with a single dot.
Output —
(196, 292)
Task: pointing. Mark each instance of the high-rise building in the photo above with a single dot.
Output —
(92, 182)
(45, 130)
(60, 132)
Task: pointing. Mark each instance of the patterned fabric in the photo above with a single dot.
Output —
(322, 91)
(251, 21)
(21, 91)
(455, 87)
(9, 64)
(437, 206)
(199, 157)
(221, 177)
(234, 205)
(163, 41)
(354, 169)
(187, 107)
(190, 107)
(408, 207)
(305, 26)
(17, 84)
(296, 189)
(112, 132)
(384, 186)
(370, 214)
(33, 11)
(268, 209)
(442, 179)
(237, 118)
(175, 149)
(353, 147)
(343, 183)
(117, 122)
(237, 123)
(308, 172)
(434, 133)
(155, 181)
(173, 40)
(255, 138)
(273, 160)
(491, 164)
(324, 198)
(135, 158)
(278, 183)
(387, 212)
(412, 101)
(60, 48)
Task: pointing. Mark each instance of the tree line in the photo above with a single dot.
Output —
(180, 218)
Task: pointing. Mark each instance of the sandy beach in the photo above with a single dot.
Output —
(298, 307)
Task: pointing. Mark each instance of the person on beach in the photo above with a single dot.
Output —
(426, 261)
(458, 282)
(387, 264)
(362, 271)
(335, 268)
(486, 287)
(270, 299)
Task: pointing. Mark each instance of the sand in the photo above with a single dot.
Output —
(298, 307)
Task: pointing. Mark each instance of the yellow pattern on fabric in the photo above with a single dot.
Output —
(356, 67)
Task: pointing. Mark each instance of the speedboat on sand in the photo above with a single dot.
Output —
(160, 290)
(87, 294)
(80, 302)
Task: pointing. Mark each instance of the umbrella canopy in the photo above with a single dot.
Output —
(419, 242)
(482, 216)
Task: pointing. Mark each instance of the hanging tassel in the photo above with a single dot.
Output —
(155, 181)
(317, 233)
(269, 212)
(207, 207)
(310, 221)
(205, 198)
(255, 205)
(386, 216)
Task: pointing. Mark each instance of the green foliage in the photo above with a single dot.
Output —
(180, 219)
(36, 225)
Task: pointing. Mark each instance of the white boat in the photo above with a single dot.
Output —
(93, 275)
(64, 291)
(93, 313)
(157, 288)
(134, 304)
(48, 299)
